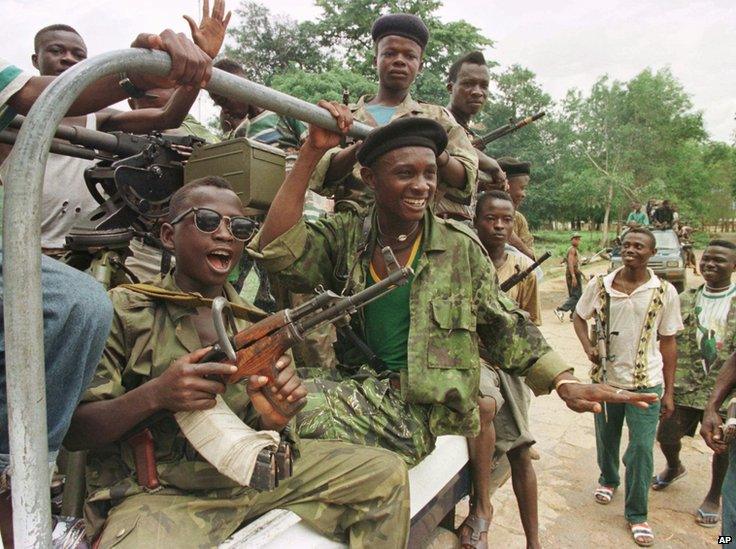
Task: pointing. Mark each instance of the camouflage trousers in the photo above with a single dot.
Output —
(364, 409)
(336, 488)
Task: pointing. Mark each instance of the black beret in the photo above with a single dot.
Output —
(514, 166)
(401, 24)
(403, 132)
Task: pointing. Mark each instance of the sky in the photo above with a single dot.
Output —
(566, 43)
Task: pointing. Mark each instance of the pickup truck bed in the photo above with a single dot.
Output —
(436, 484)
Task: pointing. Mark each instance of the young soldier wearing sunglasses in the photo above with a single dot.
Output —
(150, 363)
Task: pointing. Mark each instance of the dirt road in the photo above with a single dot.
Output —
(567, 471)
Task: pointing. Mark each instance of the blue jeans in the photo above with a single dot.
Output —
(77, 315)
(728, 493)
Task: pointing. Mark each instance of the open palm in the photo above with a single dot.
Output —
(210, 33)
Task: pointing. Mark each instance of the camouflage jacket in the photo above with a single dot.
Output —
(454, 302)
(693, 386)
(459, 146)
(146, 337)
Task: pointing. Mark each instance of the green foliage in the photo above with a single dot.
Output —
(312, 86)
(594, 153)
(267, 44)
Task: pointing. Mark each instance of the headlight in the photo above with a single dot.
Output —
(673, 264)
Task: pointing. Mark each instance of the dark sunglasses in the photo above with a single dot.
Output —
(208, 221)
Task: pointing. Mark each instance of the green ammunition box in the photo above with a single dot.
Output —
(256, 171)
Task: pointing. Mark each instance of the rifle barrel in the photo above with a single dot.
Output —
(8, 137)
(91, 139)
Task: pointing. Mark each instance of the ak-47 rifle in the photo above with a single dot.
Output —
(483, 141)
(513, 280)
(602, 342)
(728, 429)
(218, 434)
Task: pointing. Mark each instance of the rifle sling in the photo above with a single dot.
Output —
(193, 300)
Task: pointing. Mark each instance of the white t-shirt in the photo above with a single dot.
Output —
(628, 313)
(65, 200)
(712, 309)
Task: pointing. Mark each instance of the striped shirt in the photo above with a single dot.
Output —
(12, 79)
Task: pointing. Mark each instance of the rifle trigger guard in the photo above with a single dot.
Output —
(220, 306)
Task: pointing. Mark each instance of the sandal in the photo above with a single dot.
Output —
(604, 494)
(477, 526)
(643, 535)
(707, 520)
(659, 484)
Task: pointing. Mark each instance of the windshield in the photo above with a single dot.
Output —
(666, 240)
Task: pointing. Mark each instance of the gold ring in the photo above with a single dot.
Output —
(619, 391)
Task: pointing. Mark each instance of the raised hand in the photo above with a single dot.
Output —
(286, 386)
(183, 387)
(210, 33)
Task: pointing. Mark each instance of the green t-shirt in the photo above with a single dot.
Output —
(387, 319)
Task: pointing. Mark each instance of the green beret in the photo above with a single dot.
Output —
(514, 166)
(403, 132)
(401, 24)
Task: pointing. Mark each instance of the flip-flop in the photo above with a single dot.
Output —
(643, 535)
(659, 484)
(702, 515)
(604, 494)
(477, 526)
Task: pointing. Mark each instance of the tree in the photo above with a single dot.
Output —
(329, 84)
(267, 44)
(632, 134)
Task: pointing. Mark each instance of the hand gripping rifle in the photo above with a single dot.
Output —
(218, 434)
(483, 141)
(513, 280)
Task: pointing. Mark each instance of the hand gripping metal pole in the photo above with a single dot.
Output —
(22, 263)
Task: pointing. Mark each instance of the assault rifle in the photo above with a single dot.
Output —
(483, 141)
(255, 351)
(728, 429)
(602, 342)
(513, 280)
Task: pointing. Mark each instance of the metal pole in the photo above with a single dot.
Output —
(22, 303)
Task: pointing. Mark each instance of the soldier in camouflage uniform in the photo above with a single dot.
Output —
(709, 338)
(424, 382)
(151, 364)
(400, 40)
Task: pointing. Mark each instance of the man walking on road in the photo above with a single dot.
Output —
(573, 278)
(639, 315)
(709, 338)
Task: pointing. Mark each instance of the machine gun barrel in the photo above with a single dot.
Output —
(9, 137)
(113, 143)
(506, 129)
